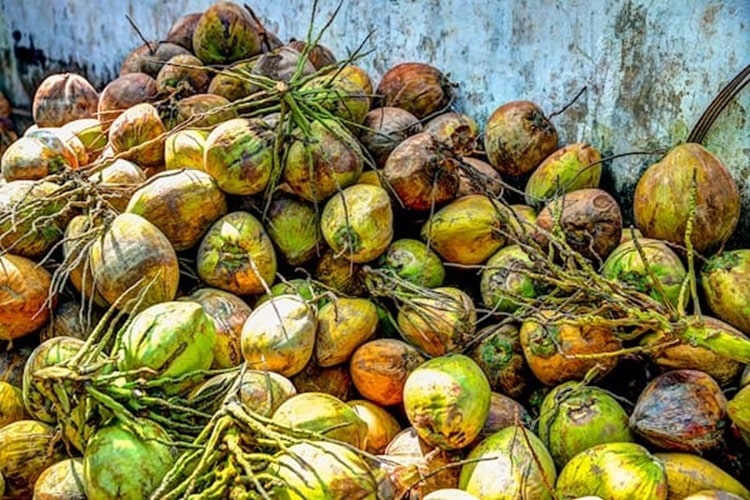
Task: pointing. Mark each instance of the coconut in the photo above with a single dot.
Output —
(504, 412)
(11, 404)
(183, 75)
(440, 322)
(340, 275)
(512, 463)
(61, 481)
(24, 294)
(36, 156)
(590, 219)
(263, 391)
(185, 149)
(618, 471)
(71, 318)
(413, 261)
(282, 64)
(459, 131)
(449, 494)
(343, 325)
(518, 137)
(447, 400)
(23, 204)
(500, 356)
(324, 414)
(27, 448)
(551, 345)
(75, 146)
(333, 380)
(63, 97)
(661, 203)
(119, 462)
(725, 280)
(319, 55)
(150, 57)
(738, 409)
(479, 177)
(507, 281)
(380, 367)
(279, 335)
(681, 410)
(139, 134)
(323, 469)
(118, 181)
(234, 82)
(688, 474)
(422, 173)
(574, 417)
(325, 161)
(134, 257)
(204, 111)
(237, 255)
(343, 93)
(626, 265)
(419, 88)
(225, 33)
(182, 204)
(573, 166)
(294, 227)
(466, 231)
(384, 128)
(76, 247)
(12, 363)
(181, 31)
(358, 222)
(122, 93)
(382, 426)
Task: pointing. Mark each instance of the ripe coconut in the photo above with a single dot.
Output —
(122, 93)
(479, 177)
(725, 280)
(333, 380)
(181, 31)
(118, 181)
(504, 412)
(138, 133)
(62, 98)
(384, 128)
(234, 82)
(91, 134)
(419, 88)
(204, 111)
(36, 156)
(340, 275)
(574, 166)
(225, 33)
(24, 292)
(183, 75)
(382, 426)
(62, 480)
(458, 131)
(688, 474)
(661, 203)
(150, 57)
(518, 137)
(282, 64)
(500, 356)
(319, 55)
(343, 325)
(447, 400)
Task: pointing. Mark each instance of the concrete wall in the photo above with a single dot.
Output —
(650, 66)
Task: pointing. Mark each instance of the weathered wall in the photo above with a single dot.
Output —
(650, 68)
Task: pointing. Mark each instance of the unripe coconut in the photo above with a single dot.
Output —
(468, 230)
(550, 346)
(323, 469)
(325, 161)
(574, 417)
(458, 131)
(91, 134)
(183, 75)
(172, 338)
(120, 464)
(573, 166)
(422, 173)
(688, 474)
(681, 410)
(725, 280)
(185, 149)
(61, 481)
(263, 391)
(36, 156)
(518, 137)
(226, 32)
(118, 181)
(24, 292)
(294, 227)
(625, 265)
(512, 463)
(27, 447)
(413, 261)
(150, 57)
(239, 155)
(661, 203)
(139, 134)
(11, 404)
(358, 222)
(133, 256)
(500, 356)
(380, 367)
(384, 128)
(237, 255)
(22, 204)
(62, 98)
(345, 97)
(204, 111)
(324, 414)
(506, 283)
(590, 219)
(181, 31)
(438, 322)
(279, 335)
(181, 203)
(123, 93)
(75, 147)
(447, 400)
(478, 177)
(419, 88)
(382, 426)
(228, 313)
(234, 82)
(617, 471)
(738, 409)
(343, 325)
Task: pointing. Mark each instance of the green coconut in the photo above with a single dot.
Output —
(225, 33)
(725, 280)
(626, 265)
(184, 149)
(500, 356)
(358, 222)
(574, 166)
(293, 225)
(239, 155)
(413, 261)
(343, 96)
(447, 400)
(506, 282)
(120, 463)
(738, 409)
(574, 417)
(617, 471)
(172, 338)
